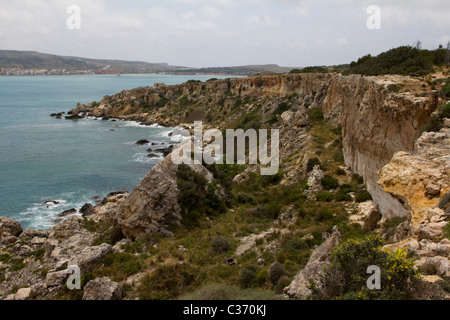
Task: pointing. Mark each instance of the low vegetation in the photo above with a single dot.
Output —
(346, 278)
(403, 60)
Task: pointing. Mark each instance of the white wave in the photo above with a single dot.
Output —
(44, 215)
(133, 124)
(144, 158)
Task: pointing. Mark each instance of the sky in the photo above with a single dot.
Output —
(207, 33)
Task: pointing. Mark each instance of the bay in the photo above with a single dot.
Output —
(68, 161)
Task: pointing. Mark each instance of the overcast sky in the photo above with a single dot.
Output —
(202, 33)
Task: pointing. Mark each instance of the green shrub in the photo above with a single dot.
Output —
(295, 244)
(446, 89)
(39, 254)
(272, 120)
(17, 264)
(328, 182)
(282, 283)
(262, 277)
(347, 276)
(436, 122)
(282, 107)
(150, 238)
(245, 198)
(276, 271)
(324, 215)
(5, 257)
(220, 245)
(446, 230)
(403, 60)
(197, 196)
(342, 195)
(272, 179)
(315, 115)
(445, 201)
(312, 163)
(357, 178)
(324, 196)
(295, 250)
(340, 172)
(363, 196)
(312, 69)
(269, 211)
(248, 276)
(120, 266)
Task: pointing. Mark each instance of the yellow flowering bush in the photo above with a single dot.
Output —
(346, 277)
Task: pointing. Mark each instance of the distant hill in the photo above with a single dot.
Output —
(36, 60)
(28, 60)
(248, 70)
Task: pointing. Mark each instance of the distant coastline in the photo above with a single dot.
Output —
(38, 73)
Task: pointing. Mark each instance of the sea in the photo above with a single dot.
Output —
(48, 166)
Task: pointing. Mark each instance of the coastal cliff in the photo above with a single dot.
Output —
(377, 118)
(353, 158)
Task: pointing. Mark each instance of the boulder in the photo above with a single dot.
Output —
(64, 230)
(168, 150)
(314, 179)
(153, 204)
(56, 278)
(142, 142)
(87, 209)
(74, 116)
(432, 190)
(431, 231)
(314, 270)
(102, 289)
(23, 294)
(9, 228)
(90, 255)
(403, 231)
(372, 219)
(67, 213)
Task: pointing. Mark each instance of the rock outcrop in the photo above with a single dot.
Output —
(419, 179)
(9, 230)
(153, 204)
(102, 289)
(314, 270)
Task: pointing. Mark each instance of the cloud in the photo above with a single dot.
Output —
(262, 20)
(183, 21)
(222, 32)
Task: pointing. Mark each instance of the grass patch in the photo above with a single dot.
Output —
(216, 291)
(169, 282)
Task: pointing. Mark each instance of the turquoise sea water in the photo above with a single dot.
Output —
(69, 161)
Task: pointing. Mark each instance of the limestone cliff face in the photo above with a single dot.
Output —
(376, 123)
(422, 177)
